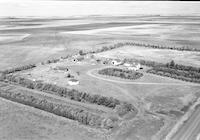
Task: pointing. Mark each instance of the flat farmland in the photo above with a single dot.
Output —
(42, 46)
(37, 39)
(150, 93)
(157, 55)
(20, 122)
(160, 101)
(94, 83)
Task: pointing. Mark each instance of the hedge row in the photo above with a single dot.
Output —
(68, 93)
(184, 48)
(190, 76)
(126, 74)
(12, 70)
(172, 65)
(70, 112)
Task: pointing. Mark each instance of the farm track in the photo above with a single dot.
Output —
(190, 128)
(90, 73)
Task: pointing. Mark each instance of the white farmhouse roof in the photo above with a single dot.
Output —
(132, 68)
(127, 64)
(73, 82)
(116, 62)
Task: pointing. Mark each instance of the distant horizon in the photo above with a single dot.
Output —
(52, 8)
(74, 16)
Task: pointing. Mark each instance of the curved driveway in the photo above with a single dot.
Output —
(90, 73)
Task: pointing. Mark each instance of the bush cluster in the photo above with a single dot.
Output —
(126, 74)
(74, 113)
(124, 108)
(51, 61)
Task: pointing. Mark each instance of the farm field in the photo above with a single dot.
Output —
(166, 99)
(157, 55)
(153, 104)
(61, 36)
(20, 122)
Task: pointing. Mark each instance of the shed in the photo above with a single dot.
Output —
(116, 62)
(72, 82)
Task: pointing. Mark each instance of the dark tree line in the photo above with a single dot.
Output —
(186, 73)
(172, 65)
(122, 44)
(74, 113)
(126, 74)
(64, 92)
(13, 70)
(184, 48)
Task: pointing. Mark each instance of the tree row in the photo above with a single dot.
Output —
(74, 113)
(17, 69)
(72, 94)
(190, 76)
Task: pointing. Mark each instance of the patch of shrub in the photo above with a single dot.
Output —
(126, 74)
(124, 108)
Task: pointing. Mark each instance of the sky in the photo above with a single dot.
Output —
(48, 8)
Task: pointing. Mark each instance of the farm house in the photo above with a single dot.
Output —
(133, 66)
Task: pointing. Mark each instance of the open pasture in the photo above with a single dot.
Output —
(157, 55)
(20, 122)
(159, 100)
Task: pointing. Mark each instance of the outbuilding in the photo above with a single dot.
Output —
(134, 67)
(127, 64)
(73, 82)
(116, 62)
